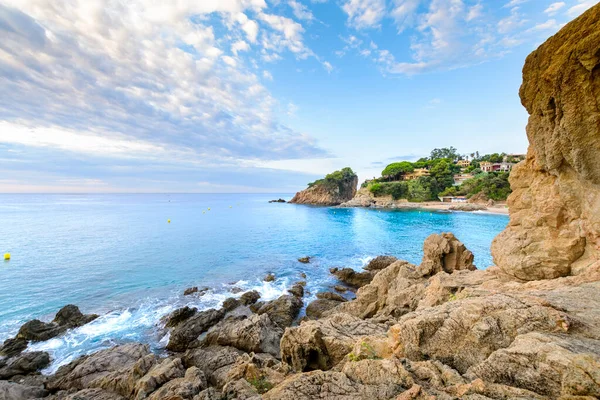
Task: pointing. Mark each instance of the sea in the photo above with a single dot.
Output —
(129, 257)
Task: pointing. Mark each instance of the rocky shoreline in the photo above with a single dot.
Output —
(527, 328)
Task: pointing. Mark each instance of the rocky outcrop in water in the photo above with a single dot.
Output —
(336, 188)
(554, 227)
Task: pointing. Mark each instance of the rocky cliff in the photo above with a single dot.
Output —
(334, 189)
(554, 225)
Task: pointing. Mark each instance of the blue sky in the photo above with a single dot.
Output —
(255, 95)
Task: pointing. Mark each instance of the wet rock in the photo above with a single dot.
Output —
(13, 347)
(180, 315)
(277, 201)
(340, 288)
(16, 391)
(351, 277)
(236, 290)
(254, 334)
(324, 343)
(250, 298)
(304, 260)
(80, 373)
(67, 317)
(380, 262)
(190, 290)
(24, 364)
(303, 275)
(269, 278)
(214, 361)
(283, 310)
(187, 332)
(298, 289)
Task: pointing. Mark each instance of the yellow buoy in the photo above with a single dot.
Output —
(6, 256)
(169, 221)
(230, 206)
(208, 208)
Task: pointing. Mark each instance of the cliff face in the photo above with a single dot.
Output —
(333, 190)
(554, 227)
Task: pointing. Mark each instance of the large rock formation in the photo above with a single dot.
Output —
(554, 225)
(334, 189)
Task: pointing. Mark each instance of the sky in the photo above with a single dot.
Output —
(255, 95)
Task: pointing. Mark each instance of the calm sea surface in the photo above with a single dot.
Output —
(117, 256)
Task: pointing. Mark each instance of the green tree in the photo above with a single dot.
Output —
(446, 152)
(442, 176)
(395, 170)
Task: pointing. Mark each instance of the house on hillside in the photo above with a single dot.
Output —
(496, 167)
(460, 178)
(463, 163)
(417, 173)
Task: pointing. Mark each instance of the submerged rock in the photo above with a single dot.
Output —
(269, 277)
(380, 262)
(304, 260)
(67, 317)
(277, 201)
(351, 277)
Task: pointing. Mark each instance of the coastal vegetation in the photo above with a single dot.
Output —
(334, 189)
(432, 177)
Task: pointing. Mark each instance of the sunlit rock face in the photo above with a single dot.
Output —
(554, 227)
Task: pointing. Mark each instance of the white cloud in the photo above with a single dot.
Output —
(511, 23)
(238, 46)
(364, 13)
(474, 12)
(121, 75)
(404, 13)
(580, 8)
(551, 25)
(301, 11)
(328, 66)
(267, 75)
(554, 7)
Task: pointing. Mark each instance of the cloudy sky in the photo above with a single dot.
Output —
(255, 95)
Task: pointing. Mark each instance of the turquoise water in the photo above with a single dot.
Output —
(116, 255)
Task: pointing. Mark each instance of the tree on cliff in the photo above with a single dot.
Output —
(397, 169)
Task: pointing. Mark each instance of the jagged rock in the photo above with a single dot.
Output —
(283, 310)
(269, 277)
(297, 290)
(214, 361)
(67, 317)
(277, 201)
(330, 296)
(367, 379)
(231, 304)
(158, 375)
(335, 189)
(236, 290)
(187, 332)
(80, 373)
(180, 315)
(13, 347)
(554, 227)
(351, 277)
(240, 389)
(124, 380)
(445, 253)
(24, 364)
(380, 262)
(190, 290)
(318, 307)
(209, 394)
(324, 343)
(254, 334)
(16, 391)
(340, 289)
(304, 260)
(93, 394)
(468, 207)
(184, 388)
(250, 298)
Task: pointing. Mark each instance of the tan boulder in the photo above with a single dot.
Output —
(554, 227)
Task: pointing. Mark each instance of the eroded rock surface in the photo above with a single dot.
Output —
(333, 190)
(554, 227)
